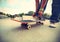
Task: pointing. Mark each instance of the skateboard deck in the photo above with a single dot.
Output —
(28, 24)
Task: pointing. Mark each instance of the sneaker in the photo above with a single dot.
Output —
(52, 25)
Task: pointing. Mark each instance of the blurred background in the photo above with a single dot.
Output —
(20, 6)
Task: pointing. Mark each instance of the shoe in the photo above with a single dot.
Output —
(53, 25)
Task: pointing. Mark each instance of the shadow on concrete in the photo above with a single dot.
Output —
(24, 28)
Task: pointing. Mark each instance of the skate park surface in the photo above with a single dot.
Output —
(11, 31)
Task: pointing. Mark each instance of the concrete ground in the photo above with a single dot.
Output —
(11, 31)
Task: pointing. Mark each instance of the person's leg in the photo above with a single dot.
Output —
(55, 12)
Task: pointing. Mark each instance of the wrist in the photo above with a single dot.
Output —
(41, 9)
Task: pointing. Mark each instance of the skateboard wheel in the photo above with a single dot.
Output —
(29, 27)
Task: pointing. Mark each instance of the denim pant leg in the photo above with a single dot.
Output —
(55, 13)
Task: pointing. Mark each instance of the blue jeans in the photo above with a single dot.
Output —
(55, 11)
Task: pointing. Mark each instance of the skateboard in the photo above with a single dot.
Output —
(28, 24)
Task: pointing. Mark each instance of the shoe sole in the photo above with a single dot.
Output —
(52, 27)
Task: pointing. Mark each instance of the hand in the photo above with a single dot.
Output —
(40, 13)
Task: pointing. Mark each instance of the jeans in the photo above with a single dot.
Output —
(55, 11)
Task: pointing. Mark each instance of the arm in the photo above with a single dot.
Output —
(43, 4)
